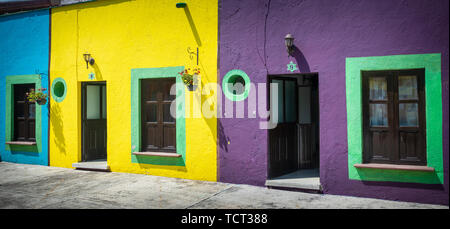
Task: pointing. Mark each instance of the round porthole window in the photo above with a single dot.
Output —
(236, 85)
(59, 89)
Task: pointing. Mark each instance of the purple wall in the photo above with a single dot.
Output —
(326, 32)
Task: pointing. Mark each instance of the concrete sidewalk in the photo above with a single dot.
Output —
(33, 186)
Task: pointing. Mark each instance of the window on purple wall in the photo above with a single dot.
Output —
(394, 117)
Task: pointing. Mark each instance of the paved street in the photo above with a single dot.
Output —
(36, 187)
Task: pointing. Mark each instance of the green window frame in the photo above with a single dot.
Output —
(433, 99)
(149, 73)
(231, 77)
(9, 116)
(59, 89)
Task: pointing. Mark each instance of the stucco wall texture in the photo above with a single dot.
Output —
(24, 50)
(122, 36)
(326, 33)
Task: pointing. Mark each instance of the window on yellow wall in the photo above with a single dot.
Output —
(158, 125)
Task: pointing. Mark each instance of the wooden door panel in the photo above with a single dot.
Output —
(380, 147)
(306, 160)
(158, 126)
(283, 154)
(169, 140)
(167, 118)
(95, 140)
(92, 136)
(283, 150)
(151, 112)
(149, 90)
(165, 90)
(20, 129)
(400, 139)
(19, 109)
(277, 150)
(24, 113)
(411, 146)
(31, 129)
(151, 140)
(94, 126)
(291, 147)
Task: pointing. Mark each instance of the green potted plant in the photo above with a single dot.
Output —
(189, 78)
(39, 96)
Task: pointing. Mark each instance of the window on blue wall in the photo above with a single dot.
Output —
(24, 114)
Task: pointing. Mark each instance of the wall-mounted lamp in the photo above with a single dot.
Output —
(88, 59)
(289, 42)
(181, 5)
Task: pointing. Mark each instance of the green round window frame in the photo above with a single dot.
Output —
(232, 77)
(59, 89)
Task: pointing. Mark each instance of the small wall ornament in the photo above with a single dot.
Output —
(292, 66)
(91, 76)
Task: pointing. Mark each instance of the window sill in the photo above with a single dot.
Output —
(159, 154)
(395, 167)
(21, 143)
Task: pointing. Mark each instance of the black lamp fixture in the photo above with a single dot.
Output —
(88, 59)
(289, 42)
(181, 5)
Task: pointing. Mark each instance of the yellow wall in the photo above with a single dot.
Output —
(122, 35)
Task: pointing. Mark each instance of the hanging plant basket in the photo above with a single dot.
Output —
(190, 78)
(39, 96)
(191, 87)
(41, 101)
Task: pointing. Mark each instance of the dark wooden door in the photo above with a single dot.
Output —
(158, 125)
(94, 121)
(308, 121)
(24, 114)
(394, 117)
(283, 140)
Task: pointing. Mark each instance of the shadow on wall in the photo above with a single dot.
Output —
(57, 126)
(98, 73)
(205, 100)
(223, 139)
(192, 24)
(301, 60)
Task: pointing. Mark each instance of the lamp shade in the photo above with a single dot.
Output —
(87, 56)
(88, 59)
(289, 40)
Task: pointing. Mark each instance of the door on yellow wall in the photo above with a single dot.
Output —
(93, 121)
(158, 125)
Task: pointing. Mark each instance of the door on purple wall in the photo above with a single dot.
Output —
(283, 138)
(293, 144)
(308, 121)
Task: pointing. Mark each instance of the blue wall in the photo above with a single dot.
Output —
(24, 50)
